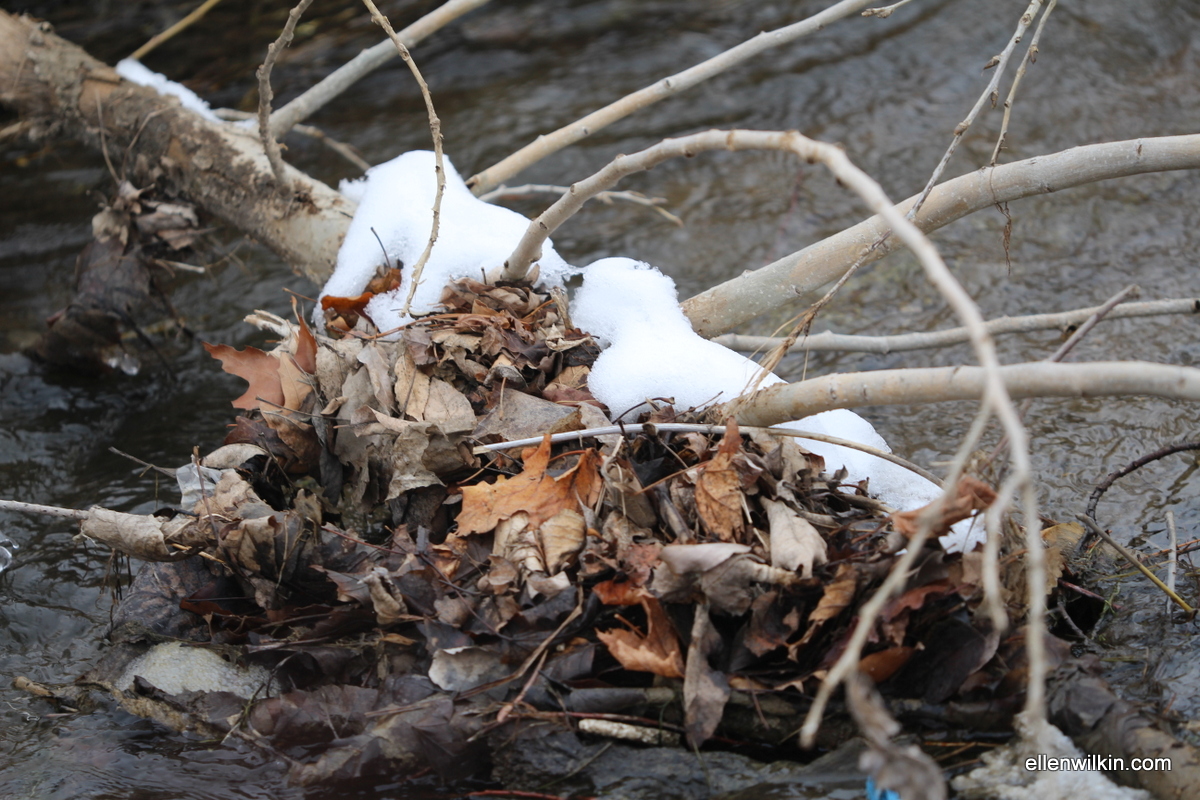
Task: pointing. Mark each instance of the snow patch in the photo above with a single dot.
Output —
(395, 214)
(652, 352)
(134, 71)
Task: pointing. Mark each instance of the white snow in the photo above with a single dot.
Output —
(133, 70)
(653, 352)
(395, 200)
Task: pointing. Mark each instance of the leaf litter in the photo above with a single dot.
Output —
(412, 596)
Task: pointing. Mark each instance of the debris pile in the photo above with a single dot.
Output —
(409, 590)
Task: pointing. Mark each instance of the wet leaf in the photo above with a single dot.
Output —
(705, 690)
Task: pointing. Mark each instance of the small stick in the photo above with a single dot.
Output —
(550, 143)
(1132, 466)
(637, 198)
(1174, 560)
(265, 96)
(684, 427)
(34, 508)
(155, 41)
(1030, 57)
(1066, 347)
(827, 341)
(364, 64)
(999, 63)
(435, 131)
(1132, 559)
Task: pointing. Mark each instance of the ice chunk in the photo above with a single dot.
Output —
(133, 70)
(654, 353)
(395, 214)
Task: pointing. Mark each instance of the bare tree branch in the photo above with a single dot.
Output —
(265, 96)
(888, 387)
(743, 298)
(902, 342)
(364, 64)
(667, 87)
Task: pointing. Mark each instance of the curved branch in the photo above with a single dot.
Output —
(743, 298)
(891, 387)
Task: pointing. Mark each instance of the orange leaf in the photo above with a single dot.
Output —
(882, 665)
(719, 489)
(533, 492)
(259, 369)
(657, 652)
(971, 495)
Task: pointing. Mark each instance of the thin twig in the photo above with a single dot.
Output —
(1132, 466)
(435, 132)
(637, 198)
(154, 42)
(550, 143)
(265, 96)
(1174, 542)
(684, 427)
(311, 131)
(34, 508)
(998, 63)
(1133, 559)
(1030, 57)
(1074, 339)
(903, 342)
(364, 64)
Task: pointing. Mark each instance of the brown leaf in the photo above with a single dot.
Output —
(259, 369)
(882, 665)
(719, 490)
(657, 652)
(533, 492)
(838, 595)
(705, 690)
(795, 544)
(971, 495)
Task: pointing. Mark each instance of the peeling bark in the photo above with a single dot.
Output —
(59, 90)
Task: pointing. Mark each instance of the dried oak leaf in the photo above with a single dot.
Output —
(533, 492)
(795, 544)
(838, 596)
(971, 495)
(259, 369)
(658, 650)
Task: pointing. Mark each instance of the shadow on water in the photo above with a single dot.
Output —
(888, 91)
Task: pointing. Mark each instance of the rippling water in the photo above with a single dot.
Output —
(889, 91)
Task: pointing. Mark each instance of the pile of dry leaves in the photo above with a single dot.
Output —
(410, 591)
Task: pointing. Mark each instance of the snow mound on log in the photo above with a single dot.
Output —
(395, 214)
(134, 71)
(653, 352)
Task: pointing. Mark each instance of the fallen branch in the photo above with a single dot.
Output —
(60, 90)
(890, 387)
(740, 299)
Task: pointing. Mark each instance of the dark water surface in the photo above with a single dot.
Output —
(890, 91)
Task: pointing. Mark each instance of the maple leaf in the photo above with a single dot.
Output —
(533, 492)
(658, 650)
(259, 369)
(719, 489)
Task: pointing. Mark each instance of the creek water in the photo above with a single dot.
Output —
(889, 90)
